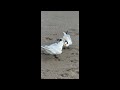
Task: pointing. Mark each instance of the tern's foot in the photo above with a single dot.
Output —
(57, 57)
(68, 47)
(63, 47)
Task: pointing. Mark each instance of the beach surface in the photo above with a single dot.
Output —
(53, 24)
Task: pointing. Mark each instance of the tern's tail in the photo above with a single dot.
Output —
(42, 47)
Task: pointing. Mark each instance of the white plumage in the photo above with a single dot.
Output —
(67, 38)
(55, 48)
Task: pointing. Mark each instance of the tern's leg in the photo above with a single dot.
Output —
(63, 47)
(56, 57)
(68, 47)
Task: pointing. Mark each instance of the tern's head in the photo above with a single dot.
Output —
(65, 43)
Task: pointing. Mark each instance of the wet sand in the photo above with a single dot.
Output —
(53, 23)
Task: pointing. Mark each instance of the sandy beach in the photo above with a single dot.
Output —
(53, 24)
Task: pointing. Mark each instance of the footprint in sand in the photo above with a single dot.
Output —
(76, 34)
(74, 61)
(77, 72)
(74, 54)
(48, 38)
(74, 71)
(47, 70)
(77, 53)
(64, 75)
(54, 34)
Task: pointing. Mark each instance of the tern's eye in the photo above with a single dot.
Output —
(60, 39)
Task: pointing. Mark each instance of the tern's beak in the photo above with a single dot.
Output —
(64, 44)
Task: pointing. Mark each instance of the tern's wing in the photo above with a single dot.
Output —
(48, 49)
(55, 48)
